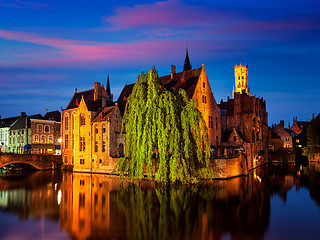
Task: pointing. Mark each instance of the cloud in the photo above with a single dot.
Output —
(25, 4)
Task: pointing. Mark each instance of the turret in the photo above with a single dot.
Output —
(241, 80)
(187, 66)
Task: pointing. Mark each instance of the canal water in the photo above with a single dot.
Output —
(273, 202)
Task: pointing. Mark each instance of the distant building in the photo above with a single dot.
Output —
(5, 124)
(34, 134)
(196, 84)
(281, 135)
(298, 126)
(91, 124)
(246, 116)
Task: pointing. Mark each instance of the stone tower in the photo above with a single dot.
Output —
(241, 79)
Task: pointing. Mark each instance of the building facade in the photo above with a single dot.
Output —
(196, 84)
(248, 116)
(91, 125)
(5, 125)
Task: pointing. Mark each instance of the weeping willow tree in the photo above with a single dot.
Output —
(166, 136)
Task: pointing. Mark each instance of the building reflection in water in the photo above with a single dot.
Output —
(99, 206)
(103, 207)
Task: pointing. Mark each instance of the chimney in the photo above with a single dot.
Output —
(281, 123)
(23, 114)
(173, 70)
(312, 116)
(96, 91)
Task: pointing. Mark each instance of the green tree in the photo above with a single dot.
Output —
(166, 136)
(313, 138)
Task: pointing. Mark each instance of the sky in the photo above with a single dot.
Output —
(49, 48)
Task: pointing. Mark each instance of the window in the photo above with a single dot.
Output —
(100, 161)
(82, 144)
(46, 129)
(50, 139)
(210, 122)
(103, 146)
(82, 120)
(39, 128)
(96, 146)
(104, 130)
(36, 138)
(18, 139)
(234, 138)
(82, 161)
(66, 123)
(96, 130)
(72, 139)
(82, 182)
(66, 159)
(204, 85)
(66, 141)
(216, 122)
(223, 112)
(22, 131)
(43, 139)
(204, 99)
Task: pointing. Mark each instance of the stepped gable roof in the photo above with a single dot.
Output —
(54, 115)
(186, 80)
(88, 95)
(7, 122)
(104, 114)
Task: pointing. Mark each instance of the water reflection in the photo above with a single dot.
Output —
(100, 206)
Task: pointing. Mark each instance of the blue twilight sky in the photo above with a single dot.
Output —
(49, 48)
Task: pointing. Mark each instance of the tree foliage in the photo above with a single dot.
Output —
(166, 136)
(313, 138)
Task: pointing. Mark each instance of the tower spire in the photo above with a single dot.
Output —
(187, 66)
(109, 90)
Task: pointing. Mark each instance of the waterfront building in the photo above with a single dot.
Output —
(196, 84)
(5, 124)
(298, 126)
(91, 124)
(280, 132)
(35, 134)
(246, 117)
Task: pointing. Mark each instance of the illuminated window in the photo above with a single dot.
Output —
(82, 120)
(82, 144)
(50, 139)
(43, 139)
(39, 128)
(66, 141)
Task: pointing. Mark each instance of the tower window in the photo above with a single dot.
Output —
(210, 122)
(204, 85)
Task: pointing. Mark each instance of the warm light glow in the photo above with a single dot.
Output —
(59, 196)
(60, 140)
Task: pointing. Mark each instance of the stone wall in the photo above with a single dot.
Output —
(231, 167)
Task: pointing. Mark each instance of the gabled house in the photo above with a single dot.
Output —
(90, 130)
(196, 84)
(5, 124)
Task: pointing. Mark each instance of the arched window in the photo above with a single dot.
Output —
(66, 122)
(82, 120)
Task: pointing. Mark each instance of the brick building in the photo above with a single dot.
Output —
(91, 139)
(247, 116)
(196, 84)
(284, 135)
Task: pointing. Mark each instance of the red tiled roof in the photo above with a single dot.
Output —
(186, 80)
(104, 114)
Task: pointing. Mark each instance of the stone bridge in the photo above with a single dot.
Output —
(40, 162)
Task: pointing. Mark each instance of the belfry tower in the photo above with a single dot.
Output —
(241, 79)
